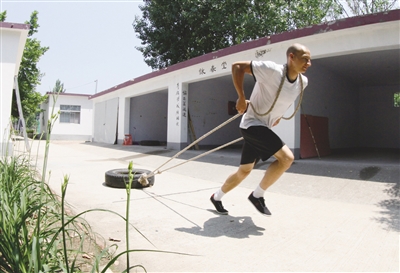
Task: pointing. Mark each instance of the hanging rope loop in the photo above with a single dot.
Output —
(285, 67)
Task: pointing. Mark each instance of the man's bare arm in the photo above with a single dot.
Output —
(238, 71)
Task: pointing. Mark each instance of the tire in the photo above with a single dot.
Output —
(119, 178)
(150, 143)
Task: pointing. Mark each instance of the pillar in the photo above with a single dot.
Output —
(177, 115)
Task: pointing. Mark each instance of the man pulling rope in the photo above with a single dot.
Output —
(275, 90)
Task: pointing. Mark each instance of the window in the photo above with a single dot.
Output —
(396, 99)
(70, 114)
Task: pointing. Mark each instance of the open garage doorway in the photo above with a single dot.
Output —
(355, 94)
(148, 118)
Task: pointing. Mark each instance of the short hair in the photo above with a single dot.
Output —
(295, 48)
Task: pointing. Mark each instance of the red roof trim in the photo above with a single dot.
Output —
(69, 94)
(393, 15)
(14, 25)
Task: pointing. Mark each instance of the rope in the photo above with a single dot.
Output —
(300, 100)
(157, 171)
(204, 154)
(277, 96)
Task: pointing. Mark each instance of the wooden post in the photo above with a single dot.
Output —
(196, 146)
(21, 115)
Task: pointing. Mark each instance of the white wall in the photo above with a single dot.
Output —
(12, 43)
(70, 131)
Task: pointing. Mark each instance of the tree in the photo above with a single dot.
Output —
(173, 31)
(396, 99)
(362, 7)
(3, 16)
(29, 75)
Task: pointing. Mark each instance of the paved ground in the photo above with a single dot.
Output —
(328, 215)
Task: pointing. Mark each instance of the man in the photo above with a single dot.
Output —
(275, 90)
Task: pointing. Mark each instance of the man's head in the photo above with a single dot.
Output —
(298, 58)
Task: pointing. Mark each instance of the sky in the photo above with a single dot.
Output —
(88, 41)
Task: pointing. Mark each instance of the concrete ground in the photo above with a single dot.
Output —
(334, 214)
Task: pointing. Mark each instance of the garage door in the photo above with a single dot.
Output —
(106, 121)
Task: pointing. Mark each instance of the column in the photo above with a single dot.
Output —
(177, 115)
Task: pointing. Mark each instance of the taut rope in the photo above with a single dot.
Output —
(143, 177)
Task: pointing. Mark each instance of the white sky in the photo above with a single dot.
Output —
(88, 40)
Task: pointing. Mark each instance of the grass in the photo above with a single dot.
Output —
(38, 233)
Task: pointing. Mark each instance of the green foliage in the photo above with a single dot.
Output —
(58, 87)
(37, 234)
(310, 12)
(29, 75)
(3, 16)
(396, 99)
(362, 7)
(33, 237)
(174, 31)
(21, 201)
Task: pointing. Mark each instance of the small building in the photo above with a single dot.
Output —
(348, 102)
(12, 42)
(74, 121)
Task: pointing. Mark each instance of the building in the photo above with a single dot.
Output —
(12, 42)
(349, 101)
(74, 121)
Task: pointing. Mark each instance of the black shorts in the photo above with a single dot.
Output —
(260, 142)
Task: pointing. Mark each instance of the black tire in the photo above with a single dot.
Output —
(150, 143)
(118, 178)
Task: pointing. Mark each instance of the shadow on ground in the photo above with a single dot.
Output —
(390, 218)
(226, 225)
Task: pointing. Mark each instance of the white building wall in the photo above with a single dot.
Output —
(6, 85)
(12, 43)
(70, 131)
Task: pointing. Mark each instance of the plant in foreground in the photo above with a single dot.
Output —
(38, 234)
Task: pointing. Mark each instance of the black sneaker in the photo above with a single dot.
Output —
(259, 203)
(218, 206)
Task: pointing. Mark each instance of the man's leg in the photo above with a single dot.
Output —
(236, 178)
(284, 159)
(231, 182)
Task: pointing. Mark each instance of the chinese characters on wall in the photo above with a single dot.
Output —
(213, 68)
(224, 65)
(181, 105)
(261, 53)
